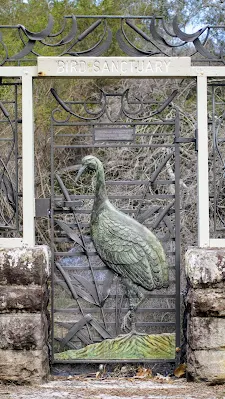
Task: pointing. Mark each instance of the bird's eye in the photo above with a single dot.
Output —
(92, 166)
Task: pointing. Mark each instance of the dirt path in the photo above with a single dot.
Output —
(121, 388)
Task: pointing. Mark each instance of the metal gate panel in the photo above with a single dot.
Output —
(10, 172)
(216, 158)
(88, 300)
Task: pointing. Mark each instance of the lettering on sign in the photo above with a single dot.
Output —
(116, 66)
(114, 134)
(111, 66)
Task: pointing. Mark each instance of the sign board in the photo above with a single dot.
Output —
(114, 134)
(114, 66)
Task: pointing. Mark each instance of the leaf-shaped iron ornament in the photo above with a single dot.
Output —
(75, 329)
(80, 292)
(88, 286)
(68, 38)
(39, 35)
(162, 40)
(185, 37)
(70, 42)
(154, 38)
(107, 286)
(70, 233)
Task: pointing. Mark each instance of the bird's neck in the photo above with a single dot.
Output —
(100, 188)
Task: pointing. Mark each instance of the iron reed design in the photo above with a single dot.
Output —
(217, 164)
(9, 159)
(136, 36)
(89, 300)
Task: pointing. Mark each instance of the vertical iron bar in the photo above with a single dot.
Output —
(214, 155)
(28, 159)
(16, 156)
(177, 231)
(203, 166)
(52, 242)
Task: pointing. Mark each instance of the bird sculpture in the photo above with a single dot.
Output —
(125, 246)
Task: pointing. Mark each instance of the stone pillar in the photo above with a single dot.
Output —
(205, 270)
(24, 320)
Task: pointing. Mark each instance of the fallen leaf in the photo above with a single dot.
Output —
(144, 373)
(180, 371)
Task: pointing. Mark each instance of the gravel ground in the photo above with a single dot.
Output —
(120, 388)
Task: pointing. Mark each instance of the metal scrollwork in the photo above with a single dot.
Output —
(154, 38)
(125, 103)
(8, 180)
(87, 244)
(175, 38)
(69, 42)
(218, 157)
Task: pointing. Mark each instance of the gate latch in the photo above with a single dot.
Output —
(43, 206)
(184, 140)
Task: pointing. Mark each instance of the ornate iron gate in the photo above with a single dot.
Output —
(10, 173)
(141, 136)
(216, 161)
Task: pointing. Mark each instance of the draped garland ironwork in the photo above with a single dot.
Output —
(137, 36)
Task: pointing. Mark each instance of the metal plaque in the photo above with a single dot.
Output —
(114, 134)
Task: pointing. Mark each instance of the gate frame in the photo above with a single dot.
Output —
(26, 74)
(201, 73)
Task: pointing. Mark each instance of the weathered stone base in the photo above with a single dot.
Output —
(206, 333)
(206, 302)
(205, 270)
(24, 366)
(206, 365)
(23, 331)
(24, 326)
(28, 298)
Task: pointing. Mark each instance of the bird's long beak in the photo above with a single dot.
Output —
(80, 172)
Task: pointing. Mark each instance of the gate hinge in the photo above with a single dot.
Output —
(184, 140)
(42, 207)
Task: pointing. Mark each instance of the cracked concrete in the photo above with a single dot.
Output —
(120, 388)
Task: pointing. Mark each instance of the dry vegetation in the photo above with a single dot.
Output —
(121, 163)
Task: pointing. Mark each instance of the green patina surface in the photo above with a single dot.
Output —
(157, 346)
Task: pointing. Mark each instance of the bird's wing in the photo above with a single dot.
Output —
(125, 251)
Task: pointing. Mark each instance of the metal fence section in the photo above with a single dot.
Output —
(138, 142)
(92, 35)
(10, 177)
(217, 159)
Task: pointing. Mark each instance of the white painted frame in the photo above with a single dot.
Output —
(178, 69)
(26, 74)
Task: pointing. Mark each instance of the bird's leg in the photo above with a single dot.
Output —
(135, 297)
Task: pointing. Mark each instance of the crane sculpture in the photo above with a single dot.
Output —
(125, 246)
